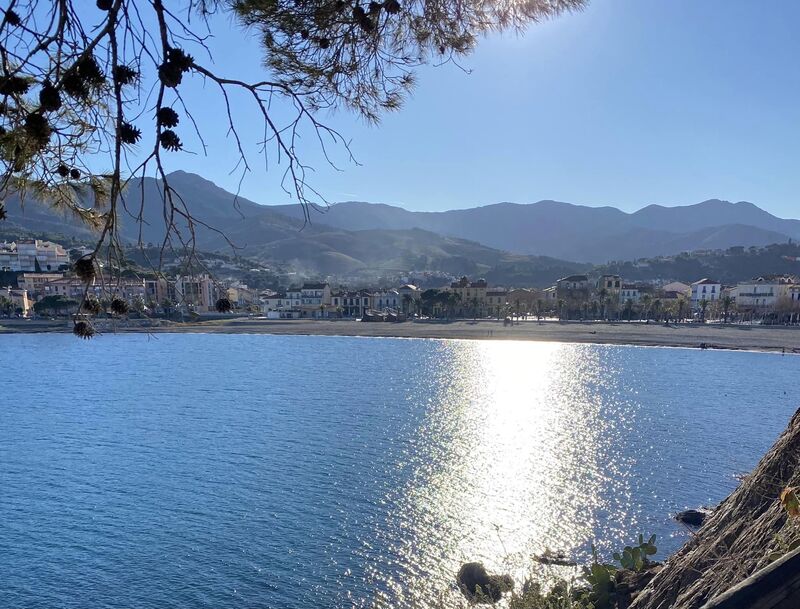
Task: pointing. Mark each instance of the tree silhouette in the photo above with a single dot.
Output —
(727, 301)
(84, 83)
(703, 307)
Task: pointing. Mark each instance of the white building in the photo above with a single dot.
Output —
(280, 306)
(629, 291)
(33, 255)
(387, 300)
(315, 300)
(409, 291)
(309, 300)
(763, 293)
(705, 289)
(352, 304)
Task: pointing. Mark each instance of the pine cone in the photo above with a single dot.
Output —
(92, 306)
(74, 85)
(83, 329)
(38, 128)
(391, 6)
(167, 117)
(125, 75)
(176, 63)
(119, 306)
(181, 60)
(85, 267)
(129, 134)
(170, 141)
(14, 85)
(49, 98)
(169, 74)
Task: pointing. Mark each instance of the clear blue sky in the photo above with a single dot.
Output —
(627, 103)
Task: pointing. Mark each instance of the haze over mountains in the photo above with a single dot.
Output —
(353, 236)
(577, 232)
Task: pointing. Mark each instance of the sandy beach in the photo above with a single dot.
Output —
(713, 336)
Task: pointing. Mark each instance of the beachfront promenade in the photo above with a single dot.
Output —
(714, 336)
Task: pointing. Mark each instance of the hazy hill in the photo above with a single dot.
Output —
(728, 266)
(361, 236)
(243, 221)
(577, 232)
(266, 234)
(332, 251)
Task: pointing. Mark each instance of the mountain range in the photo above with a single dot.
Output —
(525, 240)
(578, 232)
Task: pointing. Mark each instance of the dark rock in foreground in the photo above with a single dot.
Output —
(693, 517)
(477, 585)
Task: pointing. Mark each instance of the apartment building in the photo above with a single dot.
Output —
(706, 289)
(763, 293)
(33, 255)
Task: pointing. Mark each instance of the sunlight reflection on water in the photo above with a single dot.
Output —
(516, 456)
(525, 448)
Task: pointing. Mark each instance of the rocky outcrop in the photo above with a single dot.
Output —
(735, 540)
(693, 518)
(478, 586)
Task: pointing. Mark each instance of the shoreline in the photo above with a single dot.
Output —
(711, 336)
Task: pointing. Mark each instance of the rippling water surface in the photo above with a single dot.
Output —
(320, 472)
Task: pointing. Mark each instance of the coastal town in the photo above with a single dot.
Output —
(43, 283)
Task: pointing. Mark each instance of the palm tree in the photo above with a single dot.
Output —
(561, 304)
(681, 308)
(629, 308)
(426, 301)
(657, 309)
(703, 307)
(727, 301)
(407, 303)
(646, 301)
(6, 305)
(452, 300)
(603, 294)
